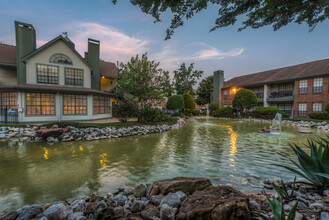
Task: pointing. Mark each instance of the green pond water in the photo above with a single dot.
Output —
(227, 152)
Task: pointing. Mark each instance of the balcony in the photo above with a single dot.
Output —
(260, 96)
(281, 96)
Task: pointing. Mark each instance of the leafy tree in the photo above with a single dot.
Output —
(126, 107)
(176, 102)
(213, 106)
(189, 101)
(204, 90)
(143, 79)
(244, 99)
(255, 13)
(185, 78)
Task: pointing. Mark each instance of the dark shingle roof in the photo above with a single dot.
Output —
(300, 71)
(7, 54)
(108, 69)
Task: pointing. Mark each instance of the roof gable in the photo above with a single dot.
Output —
(7, 55)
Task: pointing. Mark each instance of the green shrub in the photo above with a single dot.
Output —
(283, 191)
(126, 108)
(268, 113)
(195, 112)
(150, 115)
(176, 102)
(189, 101)
(244, 99)
(278, 210)
(213, 106)
(178, 114)
(326, 107)
(314, 166)
(319, 115)
(224, 112)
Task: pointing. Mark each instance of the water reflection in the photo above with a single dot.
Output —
(45, 155)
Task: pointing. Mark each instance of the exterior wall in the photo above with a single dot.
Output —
(309, 98)
(43, 58)
(107, 84)
(8, 76)
(59, 116)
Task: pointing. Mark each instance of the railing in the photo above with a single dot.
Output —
(8, 116)
(286, 95)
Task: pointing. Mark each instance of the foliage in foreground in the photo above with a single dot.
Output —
(126, 108)
(244, 99)
(189, 101)
(314, 167)
(319, 115)
(283, 190)
(213, 106)
(224, 112)
(176, 102)
(268, 113)
(150, 115)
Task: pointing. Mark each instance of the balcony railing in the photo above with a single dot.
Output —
(286, 95)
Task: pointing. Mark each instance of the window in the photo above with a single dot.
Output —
(287, 108)
(225, 94)
(317, 85)
(75, 105)
(40, 104)
(73, 77)
(47, 74)
(317, 107)
(303, 86)
(101, 105)
(61, 59)
(302, 109)
(8, 100)
(285, 87)
(231, 93)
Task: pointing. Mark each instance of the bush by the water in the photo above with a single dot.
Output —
(326, 107)
(176, 102)
(268, 113)
(189, 101)
(319, 115)
(149, 115)
(126, 108)
(213, 106)
(244, 99)
(223, 112)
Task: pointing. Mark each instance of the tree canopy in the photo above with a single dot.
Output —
(244, 99)
(204, 89)
(254, 13)
(189, 101)
(185, 78)
(176, 102)
(143, 79)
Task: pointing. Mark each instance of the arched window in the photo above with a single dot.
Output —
(60, 58)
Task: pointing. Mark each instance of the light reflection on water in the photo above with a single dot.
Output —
(231, 153)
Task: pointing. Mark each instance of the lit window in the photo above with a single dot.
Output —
(303, 86)
(8, 100)
(40, 104)
(73, 77)
(47, 74)
(317, 85)
(101, 105)
(302, 109)
(75, 105)
(61, 59)
(317, 107)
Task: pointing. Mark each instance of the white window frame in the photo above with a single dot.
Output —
(318, 85)
(317, 107)
(303, 86)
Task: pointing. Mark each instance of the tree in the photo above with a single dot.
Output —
(126, 107)
(176, 102)
(143, 79)
(256, 13)
(244, 99)
(213, 106)
(204, 90)
(189, 101)
(186, 78)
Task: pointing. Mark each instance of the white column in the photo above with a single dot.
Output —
(265, 104)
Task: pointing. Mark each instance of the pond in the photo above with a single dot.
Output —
(227, 152)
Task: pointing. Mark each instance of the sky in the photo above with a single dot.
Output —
(124, 31)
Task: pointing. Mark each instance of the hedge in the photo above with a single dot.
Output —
(244, 99)
(224, 112)
(319, 115)
(213, 106)
(189, 101)
(175, 102)
(268, 113)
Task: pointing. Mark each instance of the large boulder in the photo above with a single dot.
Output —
(49, 132)
(215, 202)
(184, 184)
(30, 212)
(56, 212)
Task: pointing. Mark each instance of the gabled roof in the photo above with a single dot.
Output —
(60, 37)
(300, 71)
(108, 69)
(7, 54)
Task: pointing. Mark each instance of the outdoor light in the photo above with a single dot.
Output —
(234, 90)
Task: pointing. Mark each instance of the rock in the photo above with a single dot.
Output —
(287, 208)
(215, 202)
(182, 196)
(140, 190)
(50, 139)
(30, 212)
(120, 200)
(52, 132)
(167, 212)
(75, 216)
(54, 126)
(324, 216)
(299, 216)
(150, 212)
(317, 207)
(66, 129)
(136, 206)
(101, 204)
(10, 216)
(78, 205)
(254, 205)
(184, 184)
(326, 192)
(156, 199)
(56, 212)
(172, 199)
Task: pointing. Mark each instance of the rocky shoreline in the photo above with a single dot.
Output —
(306, 124)
(178, 198)
(70, 133)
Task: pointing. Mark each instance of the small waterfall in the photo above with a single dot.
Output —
(276, 123)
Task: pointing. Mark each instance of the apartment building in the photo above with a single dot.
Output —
(54, 82)
(296, 90)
